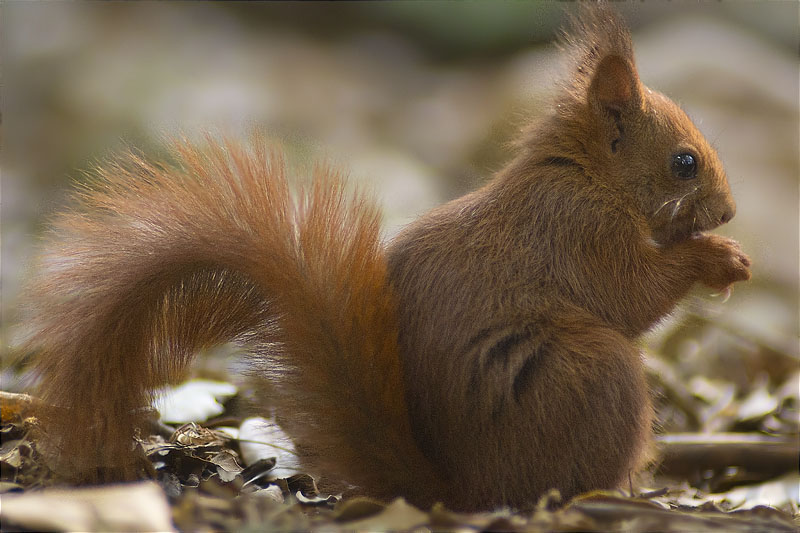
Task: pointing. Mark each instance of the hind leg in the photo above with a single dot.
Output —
(563, 404)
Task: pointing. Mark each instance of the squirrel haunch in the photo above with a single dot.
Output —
(488, 354)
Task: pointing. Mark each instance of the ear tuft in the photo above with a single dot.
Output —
(615, 84)
(599, 47)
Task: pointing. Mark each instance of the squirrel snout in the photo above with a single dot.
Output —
(728, 214)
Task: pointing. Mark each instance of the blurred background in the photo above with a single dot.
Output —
(418, 99)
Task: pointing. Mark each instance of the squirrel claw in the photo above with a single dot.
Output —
(724, 293)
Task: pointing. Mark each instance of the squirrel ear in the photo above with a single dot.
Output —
(615, 84)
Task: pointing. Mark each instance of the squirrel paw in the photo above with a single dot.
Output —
(722, 262)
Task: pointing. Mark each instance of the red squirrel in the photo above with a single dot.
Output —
(485, 355)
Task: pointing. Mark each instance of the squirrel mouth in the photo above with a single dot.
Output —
(683, 228)
(694, 219)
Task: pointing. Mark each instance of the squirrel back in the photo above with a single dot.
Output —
(485, 356)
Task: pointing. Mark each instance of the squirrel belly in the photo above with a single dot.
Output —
(486, 355)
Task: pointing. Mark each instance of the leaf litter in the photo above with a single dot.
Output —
(729, 453)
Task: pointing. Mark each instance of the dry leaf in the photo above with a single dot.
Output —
(131, 507)
(398, 515)
(194, 401)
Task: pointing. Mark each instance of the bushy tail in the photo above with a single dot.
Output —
(159, 261)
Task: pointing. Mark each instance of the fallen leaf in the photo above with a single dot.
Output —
(357, 508)
(260, 439)
(131, 507)
(272, 492)
(398, 515)
(194, 401)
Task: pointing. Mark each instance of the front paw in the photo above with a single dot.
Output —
(722, 262)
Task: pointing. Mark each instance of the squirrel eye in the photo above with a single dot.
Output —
(684, 166)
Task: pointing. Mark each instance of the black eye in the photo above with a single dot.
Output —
(684, 166)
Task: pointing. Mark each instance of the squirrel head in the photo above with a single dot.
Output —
(636, 140)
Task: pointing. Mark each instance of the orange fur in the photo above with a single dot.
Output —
(486, 356)
(159, 262)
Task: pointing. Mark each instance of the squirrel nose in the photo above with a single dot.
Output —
(728, 215)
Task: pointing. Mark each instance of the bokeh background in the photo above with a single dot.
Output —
(419, 99)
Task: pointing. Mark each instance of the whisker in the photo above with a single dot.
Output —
(680, 200)
(664, 205)
(708, 214)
